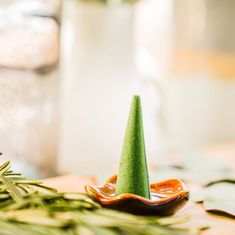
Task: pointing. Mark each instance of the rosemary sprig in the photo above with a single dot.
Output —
(29, 208)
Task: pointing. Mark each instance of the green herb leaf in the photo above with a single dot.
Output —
(220, 197)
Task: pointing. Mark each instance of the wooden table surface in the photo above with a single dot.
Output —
(219, 225)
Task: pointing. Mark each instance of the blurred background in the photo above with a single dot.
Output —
(68, 70)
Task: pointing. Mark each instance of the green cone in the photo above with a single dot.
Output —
(133, 172)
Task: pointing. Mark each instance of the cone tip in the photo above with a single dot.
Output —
(136, 99)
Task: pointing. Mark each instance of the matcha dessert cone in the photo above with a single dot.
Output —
(133, 172)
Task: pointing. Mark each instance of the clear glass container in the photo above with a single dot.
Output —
(97, 70)
(186, 51)
(29, 53)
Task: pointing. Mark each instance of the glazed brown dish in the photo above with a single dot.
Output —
(167, 197)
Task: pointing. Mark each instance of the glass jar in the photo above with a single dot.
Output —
(97, 71)
(29, 52)
(185, 50)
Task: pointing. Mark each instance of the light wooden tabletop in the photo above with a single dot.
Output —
(219, 225)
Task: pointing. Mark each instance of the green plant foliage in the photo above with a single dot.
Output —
(195, 167)
(220, 198)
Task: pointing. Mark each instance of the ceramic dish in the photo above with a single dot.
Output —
(167, 197)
